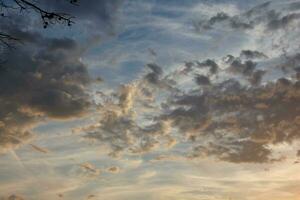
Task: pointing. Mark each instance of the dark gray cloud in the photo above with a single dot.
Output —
(239, 122)
(213, 66)
(298, 76)
(223, 116)
(282, 22)
(227, 120)
(234, 22)
(123, 134)
(248, 54)
(230, 120)
(246, 68)
(219, 17)
(228, 59)
(294, 6)
(202, 80)
(154, 76)
(291, 62)
(190, 112)
(122, 130)
(237, 152)
(264, 14)
(240, 24)
(256, 77)
(258, 9)
(42, 78)
(246, 64)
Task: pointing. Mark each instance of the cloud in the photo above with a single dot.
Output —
(231, 120)
(237, 152)
(213, 66)
(113, 169)
(44, 78)
(153, 77)
(256, 77)
(248, 105)
(234, 22)
(90, 169)
(202, 80)
(246, 65)
(221, 114)
(14, 197)
(248, 54)
(282, 22)
(246, 68)
(123, 130)
(219, 17)
(238, 123)
(264, 14)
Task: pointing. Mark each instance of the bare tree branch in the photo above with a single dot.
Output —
(47, 17)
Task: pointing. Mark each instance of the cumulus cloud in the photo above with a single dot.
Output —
(123, 134)
(256, 77)
(230, 120)
(153, 77)
(122, 123)
(222, 107)
(246, 68)
(241, 108)
(213, 66)
(234, 22)
(202, 80)
(248, 54)
(43, 78)
(282, 22)
(237, 123)
(263, 14)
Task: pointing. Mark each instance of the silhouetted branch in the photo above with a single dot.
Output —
(48, 17)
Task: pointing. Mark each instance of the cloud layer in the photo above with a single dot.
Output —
(233, 108)
(196, 98)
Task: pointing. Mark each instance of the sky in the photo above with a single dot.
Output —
(153, 100)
